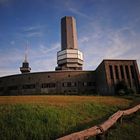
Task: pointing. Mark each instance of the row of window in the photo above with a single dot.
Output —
(123, 70)
(49, 85)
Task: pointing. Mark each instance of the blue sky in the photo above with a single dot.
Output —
(107, 29)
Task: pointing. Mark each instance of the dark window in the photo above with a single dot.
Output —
(1, 88)
(122, 72)
(111, 71)
(69, 84)
(89, 84)
(12, 88)
(68, 75)
(132, 71)
(64, 84)
(127, 72)
(84, 84)
(48, 85)
(116, 72)
(29, 86)
(48, 76)
(73, 84)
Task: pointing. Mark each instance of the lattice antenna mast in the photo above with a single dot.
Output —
(26, 52)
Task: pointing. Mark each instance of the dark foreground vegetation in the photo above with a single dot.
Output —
(50, 117)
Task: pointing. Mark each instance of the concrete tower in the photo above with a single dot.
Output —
(25, 65)
(69, 58)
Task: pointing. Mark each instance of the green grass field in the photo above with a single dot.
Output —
(50, 117)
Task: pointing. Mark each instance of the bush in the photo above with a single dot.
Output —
(121, 88)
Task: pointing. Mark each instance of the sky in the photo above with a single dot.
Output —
(107, 29)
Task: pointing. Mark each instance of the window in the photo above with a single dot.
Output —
(111, 71)
(12, 88)
(48, 85)
(69, 84)
(1, 88)
(64, 84)
(132, 71)
(116, 72)
(73, 84)
(84, 84)
(89, 84)
(127, 72)
(122, 72)
(28, 86)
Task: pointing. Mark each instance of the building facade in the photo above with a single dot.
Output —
(77, 82)
(111, 72)
(69, 78)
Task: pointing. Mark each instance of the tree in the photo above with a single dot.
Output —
(121, 88)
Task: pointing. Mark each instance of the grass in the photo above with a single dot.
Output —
(62, 100)
(50, 117)
(128, 130)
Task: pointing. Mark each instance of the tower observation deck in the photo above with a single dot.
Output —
(25, 65)
(69, 58)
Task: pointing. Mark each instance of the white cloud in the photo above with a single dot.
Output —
(33, 31)
(44, 58)
(12, 42)
(9, 71)
(77, 12)
(44, 49)
(40, 59)
(98, 44)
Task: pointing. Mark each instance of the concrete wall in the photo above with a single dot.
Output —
(57, 82)
(101, 81)
(122, 70)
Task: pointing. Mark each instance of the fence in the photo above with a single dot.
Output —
(100, 131)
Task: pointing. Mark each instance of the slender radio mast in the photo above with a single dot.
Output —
(25, 65)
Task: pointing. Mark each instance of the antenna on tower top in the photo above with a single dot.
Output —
(26, 52)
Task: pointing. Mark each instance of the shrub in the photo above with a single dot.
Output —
(121, 88)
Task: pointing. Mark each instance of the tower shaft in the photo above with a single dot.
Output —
(68, 33)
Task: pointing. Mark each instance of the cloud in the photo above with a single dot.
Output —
(34, 34)
(45, 58)
(97, 44)
(33, 31)
(9, 71)
(40, 59)
(12, 42)
(46, 50)
(77, 12)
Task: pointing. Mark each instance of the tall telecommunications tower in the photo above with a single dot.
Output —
(69, 58)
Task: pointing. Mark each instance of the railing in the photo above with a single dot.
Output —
(100, 131)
